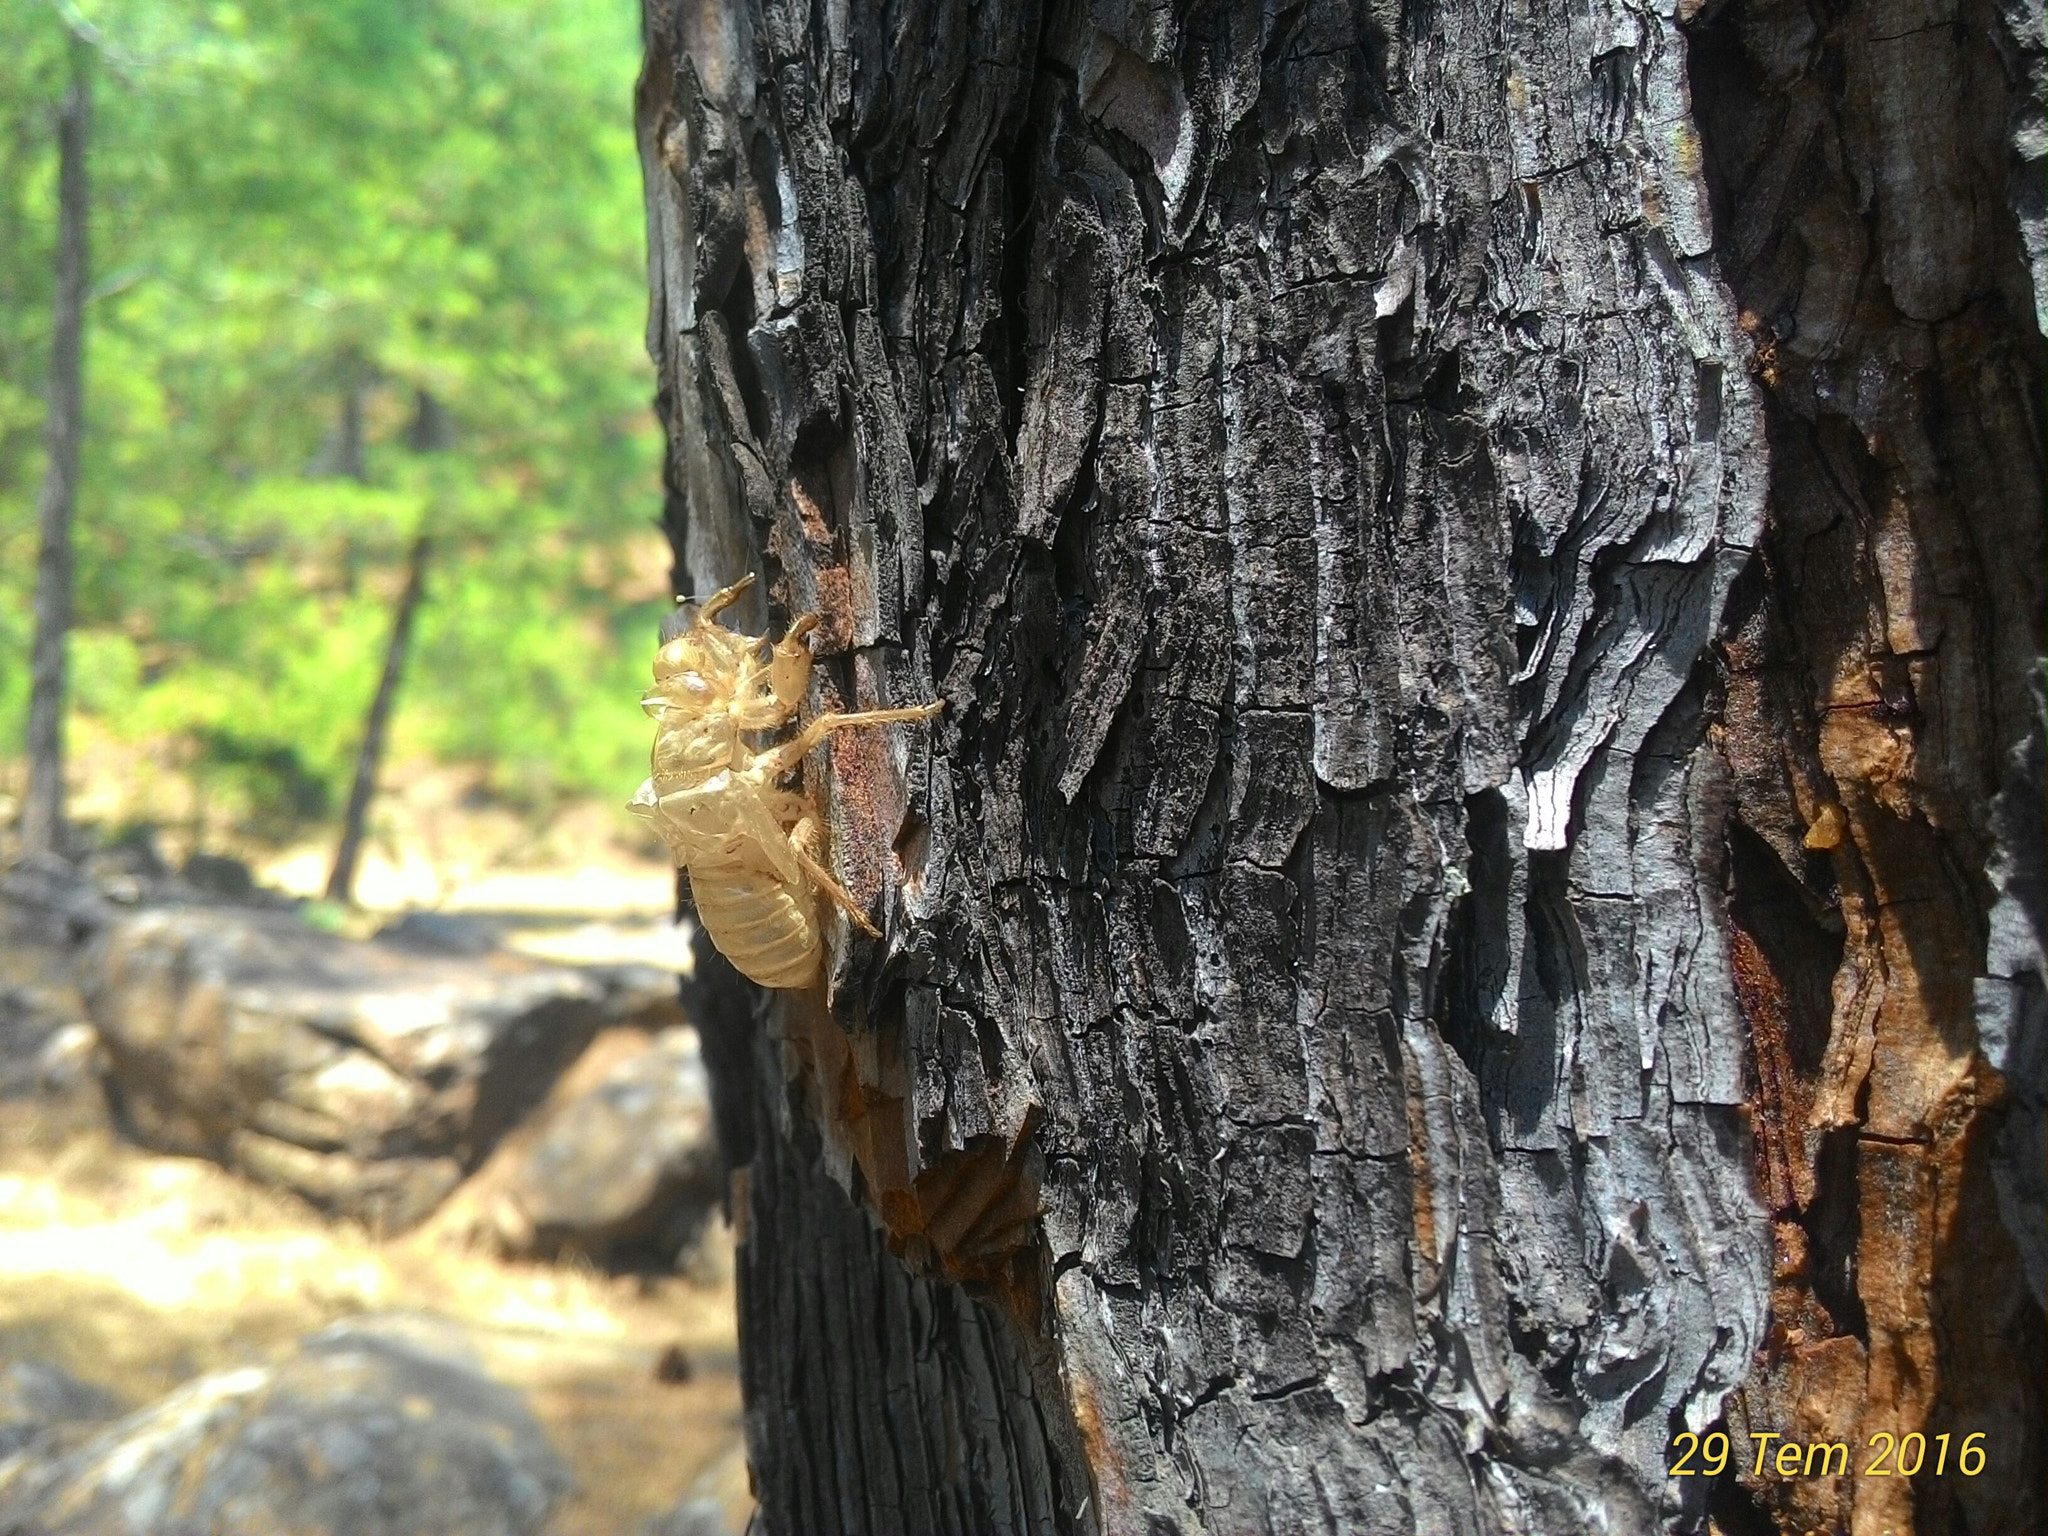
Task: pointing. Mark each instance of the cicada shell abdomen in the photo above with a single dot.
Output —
(765, 926)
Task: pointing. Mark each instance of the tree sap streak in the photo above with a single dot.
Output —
(752, 848)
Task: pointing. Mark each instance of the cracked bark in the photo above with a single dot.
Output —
(1307, 1083)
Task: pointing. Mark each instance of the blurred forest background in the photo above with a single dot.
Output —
(360, 271)
(275, 1169)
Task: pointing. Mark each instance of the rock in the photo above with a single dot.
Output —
(125, 869)
(366, 1077)
(718, 1504)
(47, 904)
(439, 933)
(45, 1046)
(692, 1517)
(673, 1366)
(69, 1060)
(376, 1427)
(48, 1052)
(35, 1399)
(619, 1165)
(217, 875)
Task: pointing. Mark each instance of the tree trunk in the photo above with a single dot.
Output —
(341, 881)
(42, 809)
(1484, 614)
(1882, 721)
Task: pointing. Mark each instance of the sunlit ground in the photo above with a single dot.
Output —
(137, 1272)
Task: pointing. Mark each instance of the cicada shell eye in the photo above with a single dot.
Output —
(688, 690)
(672, 658)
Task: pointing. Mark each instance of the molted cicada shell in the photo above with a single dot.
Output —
(754, 850)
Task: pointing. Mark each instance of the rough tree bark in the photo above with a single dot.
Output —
(42, 808)
(1883, 727)
(1484, 565)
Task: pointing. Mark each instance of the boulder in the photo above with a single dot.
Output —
(48, 1052)
(36, 1400)
(376, 1427)
(217, 875)
(46, 1047)
(439, 933)
(369, 1078)
(48, 907)
(620, 1165)
(719, 1503)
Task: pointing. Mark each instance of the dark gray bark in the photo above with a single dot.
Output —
(1310, 451)
(42, 808)
(341, 880)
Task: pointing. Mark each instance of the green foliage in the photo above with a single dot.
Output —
(429, 207)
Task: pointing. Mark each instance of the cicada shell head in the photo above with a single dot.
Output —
(705, 656)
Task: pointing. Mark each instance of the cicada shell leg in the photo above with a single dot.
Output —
(789, 668)
(723, 599)
(807, 841)
(793, 751)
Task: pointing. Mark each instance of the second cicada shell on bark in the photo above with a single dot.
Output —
(754, 849)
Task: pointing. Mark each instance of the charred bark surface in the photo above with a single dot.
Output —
(1877, 175)
(1309, 449)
